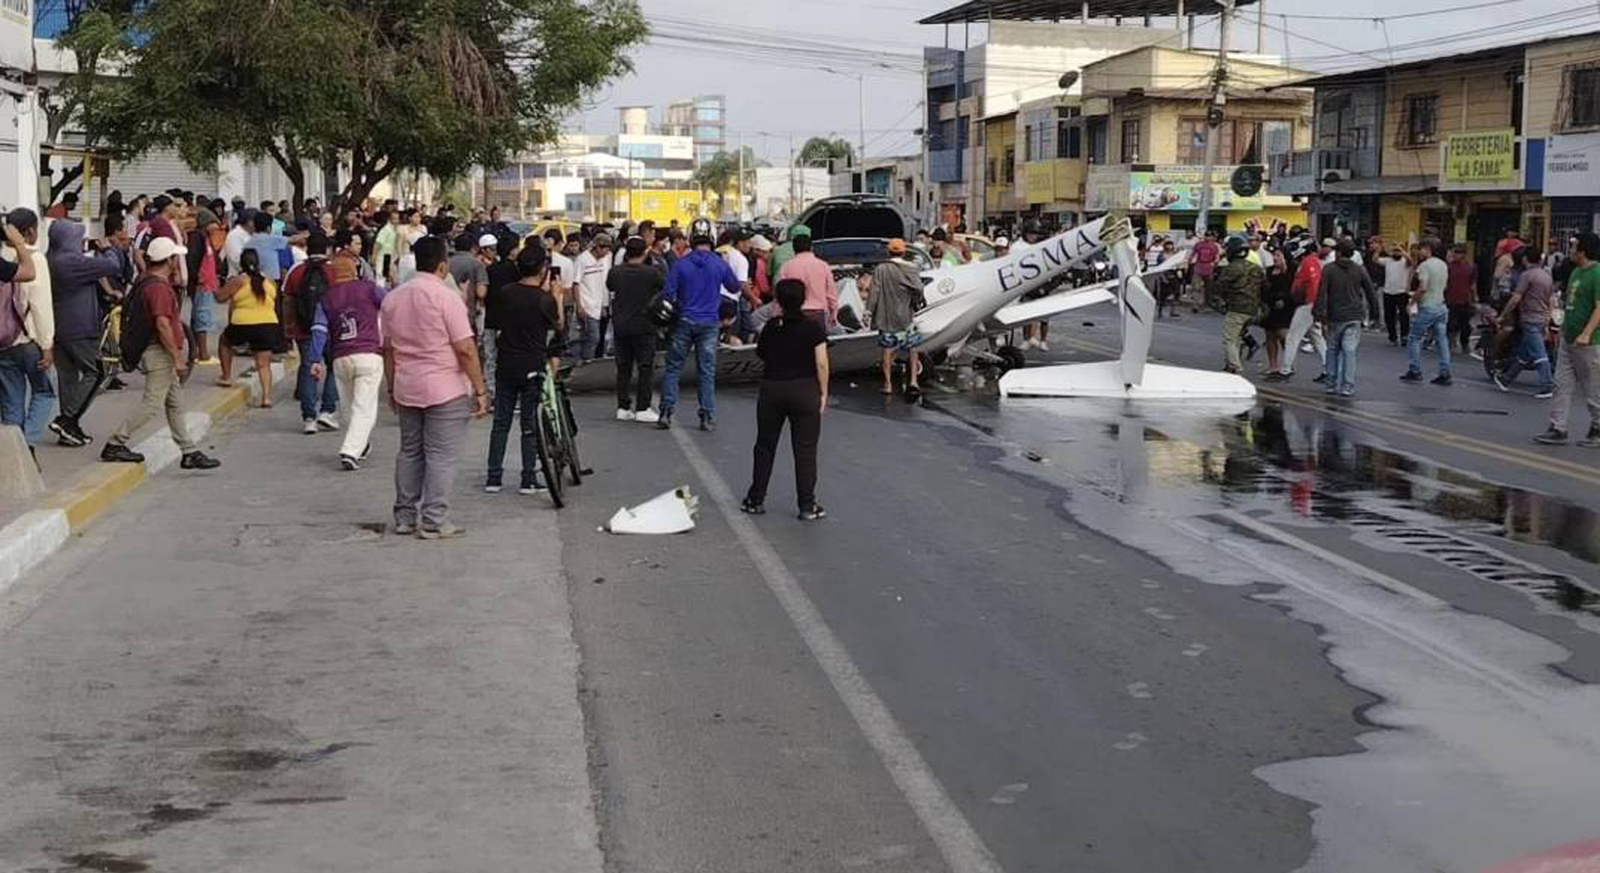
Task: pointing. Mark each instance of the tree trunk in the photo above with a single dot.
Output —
(289, 162)
(365, 174)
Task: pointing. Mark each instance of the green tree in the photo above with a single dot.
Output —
(63, 103)
(717, 174)
(821, 149)
(439, 86)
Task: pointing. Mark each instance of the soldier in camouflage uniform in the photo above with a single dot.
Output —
(1239, 283)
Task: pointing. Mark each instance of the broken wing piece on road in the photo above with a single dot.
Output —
(669, 513)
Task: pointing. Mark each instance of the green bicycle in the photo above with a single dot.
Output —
(558, 436)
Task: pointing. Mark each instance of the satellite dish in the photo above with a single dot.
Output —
(1068, 79)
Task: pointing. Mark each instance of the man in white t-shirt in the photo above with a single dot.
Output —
(593, 299)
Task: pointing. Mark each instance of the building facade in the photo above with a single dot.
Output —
(704, 120)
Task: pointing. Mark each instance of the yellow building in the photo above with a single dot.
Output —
(1001, 167)
(1144, 133)
(1052, 155)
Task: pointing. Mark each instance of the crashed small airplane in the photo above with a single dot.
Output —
(983, 300)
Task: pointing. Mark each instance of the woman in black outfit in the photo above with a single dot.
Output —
(794, 387)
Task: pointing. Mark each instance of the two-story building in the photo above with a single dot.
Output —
(1563, 109)
(1144, 132)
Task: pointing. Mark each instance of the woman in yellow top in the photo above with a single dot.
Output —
(252, 322)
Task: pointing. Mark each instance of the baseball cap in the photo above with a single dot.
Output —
(799, 230)
(1329, 242)
(162, 249)
(1002, 243)
(897, 246)
(488, 241)
(601, 239)
(760, 243)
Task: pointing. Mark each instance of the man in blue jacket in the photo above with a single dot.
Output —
(696, 285)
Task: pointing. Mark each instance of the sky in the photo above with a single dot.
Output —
(764, 55)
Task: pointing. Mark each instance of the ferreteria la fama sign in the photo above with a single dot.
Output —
(1480, 160)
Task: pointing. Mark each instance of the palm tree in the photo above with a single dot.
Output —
(720, 173)
(821, 150)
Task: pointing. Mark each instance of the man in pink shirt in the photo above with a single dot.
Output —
(430, 361)
(822, 295)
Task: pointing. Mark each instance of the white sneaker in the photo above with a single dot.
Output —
(1042, 346)
(308, 426)
(626, 415)
(327, 422)
(646, 416)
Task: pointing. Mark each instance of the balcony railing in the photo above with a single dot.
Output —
(1305, 171)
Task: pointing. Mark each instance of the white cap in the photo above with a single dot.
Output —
(760, 243)
(1328, 242)
(488, 241)
(161, 249)
(1002, 243)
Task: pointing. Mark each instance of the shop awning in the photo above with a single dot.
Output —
(1383, 185)
(1064, 10)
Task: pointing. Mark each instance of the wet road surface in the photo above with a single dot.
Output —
(1267, 638)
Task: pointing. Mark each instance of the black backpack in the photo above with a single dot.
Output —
(309, 298)
(136, 330)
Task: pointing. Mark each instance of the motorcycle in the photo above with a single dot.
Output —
(1498, 341)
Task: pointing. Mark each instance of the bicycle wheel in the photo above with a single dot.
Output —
(570, 453)
(549, 457)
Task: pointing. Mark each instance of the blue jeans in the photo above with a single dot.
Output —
(1343, 340)
(512, 389)
(1531, 353)
(305, 384)
(27, 396)
(704, 339)
(1435, 320)
(588, 337)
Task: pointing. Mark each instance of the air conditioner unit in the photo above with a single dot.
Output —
(1341, 174)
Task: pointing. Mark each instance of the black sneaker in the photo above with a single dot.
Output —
(814, 512)
(349, 463)
(1411, 377)
(750, 507)
(1441, 380)
(1500, 381)
(531, 486)
(1544, 394)
(707, 423)
(199, 461)
(65, 434)
(1552, 437)
(492, 485)
(82, 435)
(666, 420)
(1592, 441)
(1321, 380)
(117, 453)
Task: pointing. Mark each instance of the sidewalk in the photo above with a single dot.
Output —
(79, 487)
(246, 671)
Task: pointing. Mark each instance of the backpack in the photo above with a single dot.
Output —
(12, 314)
(313, 285)
(136, 329)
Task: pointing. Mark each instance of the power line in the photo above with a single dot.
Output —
(1400, 17)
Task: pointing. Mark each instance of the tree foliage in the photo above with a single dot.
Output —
(718, 173)
(821, 149)
(379, 85)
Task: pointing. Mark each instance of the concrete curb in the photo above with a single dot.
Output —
(37, 534)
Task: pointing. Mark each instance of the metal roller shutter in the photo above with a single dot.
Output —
(156, 172)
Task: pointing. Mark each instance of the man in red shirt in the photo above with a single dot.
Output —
(1307, 279)
(153, 313)
(1460, 292)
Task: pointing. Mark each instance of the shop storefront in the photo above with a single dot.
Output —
(1165, 199)
(1572, 184)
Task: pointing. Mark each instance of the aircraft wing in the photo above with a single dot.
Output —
(1066, 300)
(1024, 311)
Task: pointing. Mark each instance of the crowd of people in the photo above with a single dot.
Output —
(1426, 297)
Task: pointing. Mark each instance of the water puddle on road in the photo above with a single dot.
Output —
(1485, 753)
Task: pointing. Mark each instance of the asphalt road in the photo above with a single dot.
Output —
(1032, 636)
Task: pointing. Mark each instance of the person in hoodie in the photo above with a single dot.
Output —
(1345, 301)
(75, 292)
(346, 331)
(696, 287)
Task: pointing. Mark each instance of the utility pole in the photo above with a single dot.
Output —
(738, 212)
(793, 210)
(1214, 119)
(861, 156)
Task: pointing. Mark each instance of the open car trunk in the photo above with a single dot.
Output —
(856, 217)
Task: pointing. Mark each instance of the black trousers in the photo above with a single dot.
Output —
(1461, 324)
(799, 402)
(79, 371)
(1397, 316)
(635, 353)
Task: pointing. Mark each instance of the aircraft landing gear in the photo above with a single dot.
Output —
(1011, 358)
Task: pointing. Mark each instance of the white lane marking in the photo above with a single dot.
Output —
(963, 850)
(1379, 579)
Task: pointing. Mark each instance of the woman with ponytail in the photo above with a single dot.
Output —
(794, 388)
(252, 301)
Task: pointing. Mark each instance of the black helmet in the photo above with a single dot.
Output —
(1235, 247)
(1032, 227)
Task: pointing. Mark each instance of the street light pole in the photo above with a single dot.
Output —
(1214, 119)
(861, 156)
